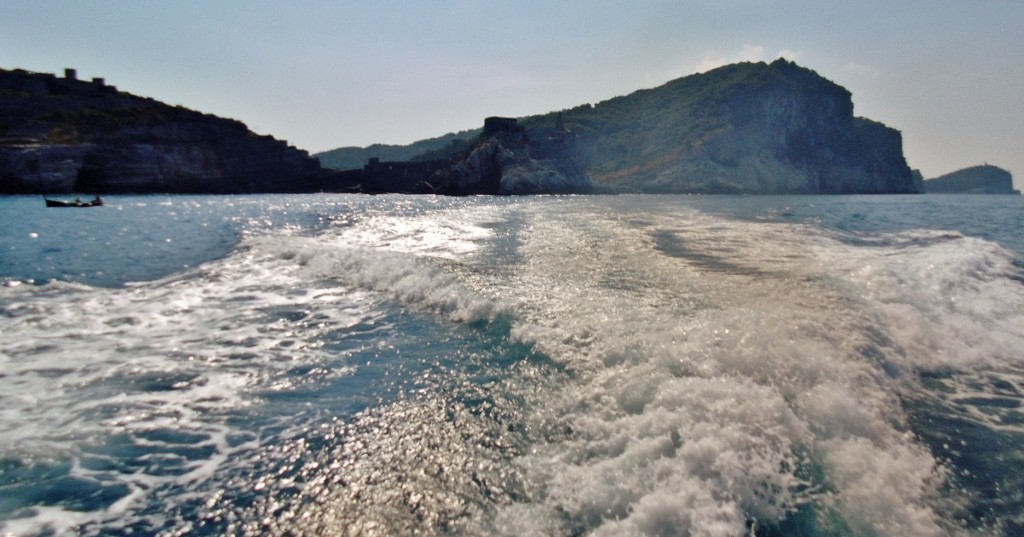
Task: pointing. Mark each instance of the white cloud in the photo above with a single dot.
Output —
(750, 53)
(859, 69)
(791, 55)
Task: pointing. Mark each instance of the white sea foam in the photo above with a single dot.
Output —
(953, 302)
(161, 365)
(182, 353)
(442, 234)
(717, 364)
(710, 383)
(403, 258)
(54, 520)
(953, 306)
(714, 375)
(81, 337)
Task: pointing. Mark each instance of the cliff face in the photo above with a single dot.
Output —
(64, 135)
(743, 128)
(986, 179)
(501, 161)
(505, 159)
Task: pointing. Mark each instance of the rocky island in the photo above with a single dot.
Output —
(984, 179)
(749, 128)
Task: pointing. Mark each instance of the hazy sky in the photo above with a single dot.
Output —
(325, 74)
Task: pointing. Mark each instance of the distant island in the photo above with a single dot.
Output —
(748, 128)
(985, 179)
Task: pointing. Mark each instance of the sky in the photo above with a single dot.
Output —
(323, 74)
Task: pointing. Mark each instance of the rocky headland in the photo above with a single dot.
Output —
(61, 134)
(749, 128)
(743, 128)
(985, 179)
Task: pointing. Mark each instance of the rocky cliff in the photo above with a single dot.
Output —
(505, 159)
(986, 179)
(66, 135)
(501, 161)
(743, 128)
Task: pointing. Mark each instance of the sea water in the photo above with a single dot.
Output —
(619, 365)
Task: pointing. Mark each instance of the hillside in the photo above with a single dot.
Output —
(350, 158)
(502, 160)
(742, 128)
(985, 179)
(62, 135)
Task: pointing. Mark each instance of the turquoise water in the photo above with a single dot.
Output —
(627, 365)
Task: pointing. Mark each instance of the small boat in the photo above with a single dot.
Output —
(96, 202)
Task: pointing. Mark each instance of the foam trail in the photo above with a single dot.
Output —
(654, 370)
(711, 385)
(957, 301)
(141, 382)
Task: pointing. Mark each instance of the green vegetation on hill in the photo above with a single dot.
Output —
(351, 158)
(985, 179)
(742, 128)
(634, 135)
(64, 134)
